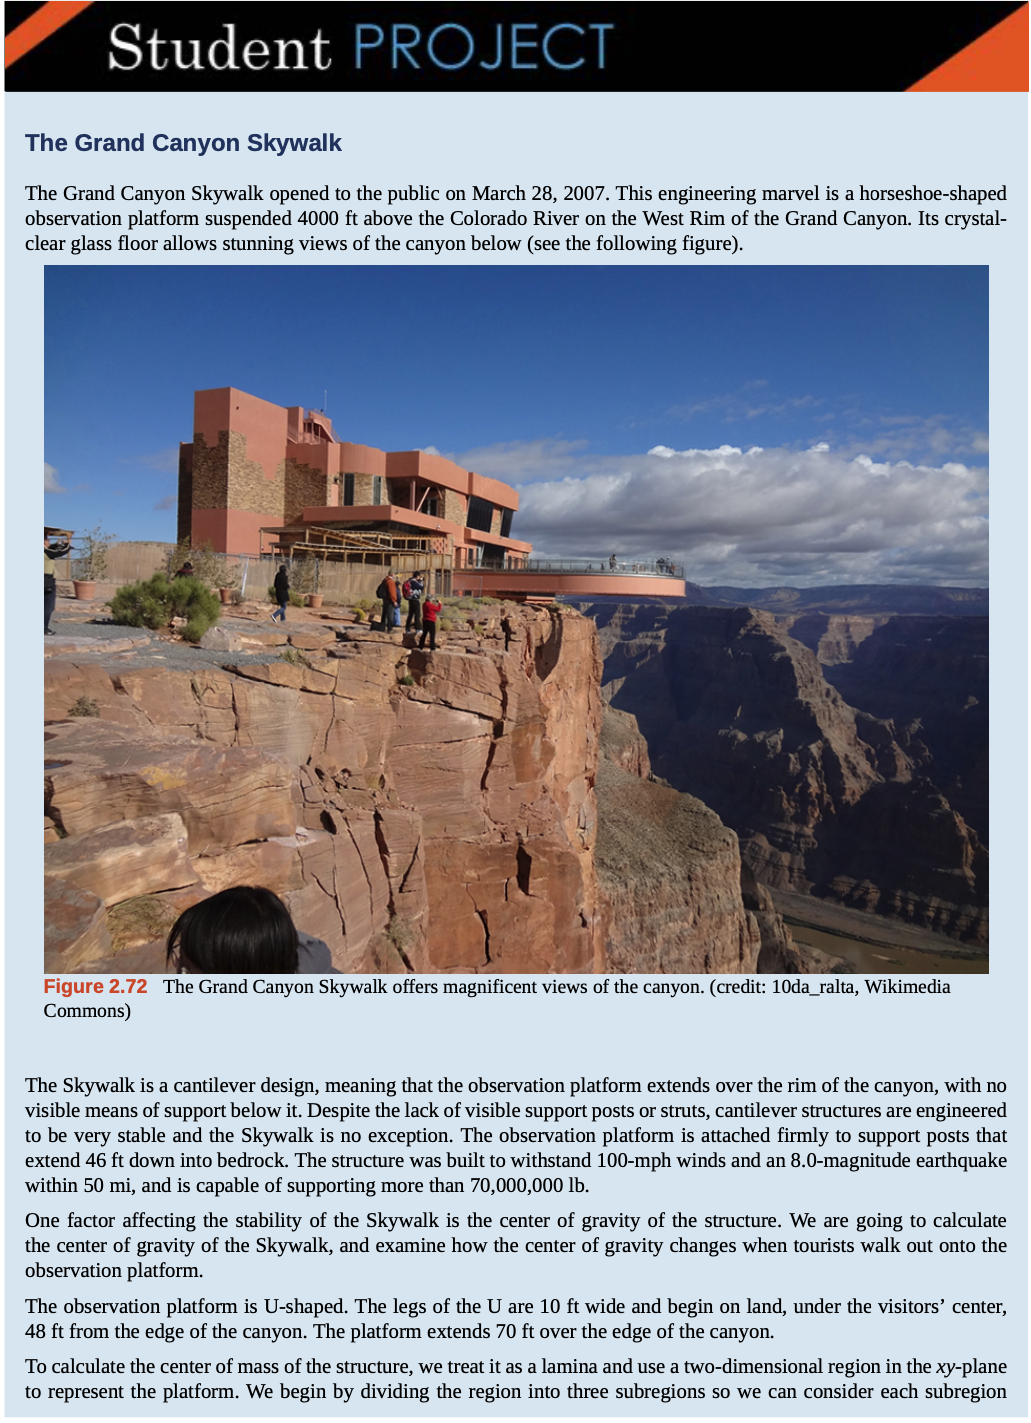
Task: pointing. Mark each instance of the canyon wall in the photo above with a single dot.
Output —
(825, 799)
(676, 896)
(929, 676)
(425, 812)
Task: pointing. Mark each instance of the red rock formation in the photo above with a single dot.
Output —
(446, 825)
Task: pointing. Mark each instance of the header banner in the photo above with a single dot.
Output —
(575, 46)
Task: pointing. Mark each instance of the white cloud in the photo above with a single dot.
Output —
(50, 484)
(756, 516)
(169, 502)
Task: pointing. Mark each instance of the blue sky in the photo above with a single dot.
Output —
(760, 424)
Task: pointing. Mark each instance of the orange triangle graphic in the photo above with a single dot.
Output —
(994, 64)
(40, 26)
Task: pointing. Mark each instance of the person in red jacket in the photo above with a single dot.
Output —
(430, 613)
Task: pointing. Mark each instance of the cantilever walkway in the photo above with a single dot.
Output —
(553, 577)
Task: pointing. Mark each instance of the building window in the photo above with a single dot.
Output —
(348, 488)
(431, 508)
(377, 489)
(479, 515)
(506, 523)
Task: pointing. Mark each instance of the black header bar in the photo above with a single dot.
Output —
(464, 47)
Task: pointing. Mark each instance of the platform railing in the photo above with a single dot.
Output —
(636, 568)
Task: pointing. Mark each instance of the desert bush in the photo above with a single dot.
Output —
(445, 624)
(306, 575)
(210, 568)
(84, 706)
(194, 629)
(407, 680)
(139, 921)
(154, 602)
(399, 932)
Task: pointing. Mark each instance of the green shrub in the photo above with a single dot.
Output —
(365, 605)
(295, 658)
(296, 600)
(407, 680)
(84, 706)
(194, 629)
(445, 624)
(154, 602)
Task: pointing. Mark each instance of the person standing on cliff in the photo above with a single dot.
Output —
(51, 551)
(391, 603)
(281, 586)
(413, 591)
(430, 613)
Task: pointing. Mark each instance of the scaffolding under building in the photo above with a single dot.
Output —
(406, 554)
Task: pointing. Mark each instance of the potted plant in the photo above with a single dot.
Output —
(92, 561)
(219, 572)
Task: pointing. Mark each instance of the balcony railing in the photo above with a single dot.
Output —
(636, 568)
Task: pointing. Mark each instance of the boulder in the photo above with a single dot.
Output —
(219, 639)
(123, 860)
(225, 795)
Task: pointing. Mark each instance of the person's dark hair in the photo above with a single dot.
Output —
(242, 930)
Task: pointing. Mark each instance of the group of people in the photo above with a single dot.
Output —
(423, 612)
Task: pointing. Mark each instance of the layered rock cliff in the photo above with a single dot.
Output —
(427, 812)
(929, 676)
(825, 799)
(676, 896)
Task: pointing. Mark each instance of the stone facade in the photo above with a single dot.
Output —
(224, 477)
(363, 489)
(304, 487)
(454, 507)
(210, 472)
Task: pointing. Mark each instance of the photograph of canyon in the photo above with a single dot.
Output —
(635, 620)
